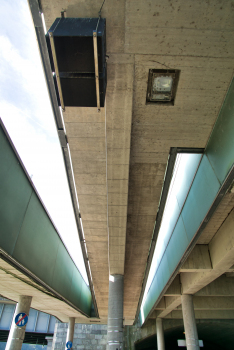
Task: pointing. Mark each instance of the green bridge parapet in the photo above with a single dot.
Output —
(28, 237)
(213, 177)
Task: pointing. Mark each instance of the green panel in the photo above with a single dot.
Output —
(86, 299)
(7, 157)
(63, 271)
(15, 192)
(29, 236)
(37, 245)
(190, 170)
(200, 198)
(213, 169)
(171, 222)
(220, 148)
(177, 245)
(75, 292)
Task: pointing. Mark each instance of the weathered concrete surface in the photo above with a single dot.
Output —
(195, 37)
(14, 283)
(16, 334)
(115, 313)
(198, 260)
(86, 131)
(203, 275)
(189, 322)
(160, 334)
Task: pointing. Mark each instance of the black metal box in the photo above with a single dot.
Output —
(73, 42)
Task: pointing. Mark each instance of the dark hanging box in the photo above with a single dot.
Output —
(73, 40)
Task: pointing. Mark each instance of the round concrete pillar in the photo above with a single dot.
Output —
(190, 326)
(70, 330)
(115, 313)
(160, 334)
(16, 334)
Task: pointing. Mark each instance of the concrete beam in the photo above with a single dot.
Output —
(218, 254)
(175, 288)
(162, 304)
(198, 260)
(222, 245)
(171, 303)
(231, 269)
(221, 250)
(222, 286)
(205, 314)
(212, 303)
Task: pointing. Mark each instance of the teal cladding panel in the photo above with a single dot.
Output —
(200, 198)
(190, 170)
(63, 271)
(220, 148)
(28, 235)
(213, 169)
(76, 282)
(15, 192)
(177, 245)
(37, 244)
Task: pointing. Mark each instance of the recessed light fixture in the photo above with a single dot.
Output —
(162, 85)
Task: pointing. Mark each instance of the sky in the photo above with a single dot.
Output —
(27, 115)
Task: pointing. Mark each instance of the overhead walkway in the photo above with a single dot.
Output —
(33, 258)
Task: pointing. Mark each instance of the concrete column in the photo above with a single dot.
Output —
(115, 313)
(16, 334)
(49, 342)
(70, 330)
(160, 334)
(190, 326)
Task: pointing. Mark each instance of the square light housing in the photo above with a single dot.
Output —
(162, 85)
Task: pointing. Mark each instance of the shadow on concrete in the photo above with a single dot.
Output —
(215, 336)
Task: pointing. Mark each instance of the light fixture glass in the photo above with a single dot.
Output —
(162, 86)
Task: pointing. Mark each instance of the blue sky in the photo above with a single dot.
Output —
(26, 112)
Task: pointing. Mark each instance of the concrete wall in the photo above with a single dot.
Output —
(94, 337)
(86, 336)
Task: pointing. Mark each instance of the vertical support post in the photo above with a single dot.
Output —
(160, 334)
(49, 342)
(56, 69)
(190, 326)
(70, 330)
(95, 49)
(115, 313)
(16, 334)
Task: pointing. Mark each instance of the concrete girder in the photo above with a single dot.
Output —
(200, 303)
(175, 287)
(221, 250)
(205, 314)
(198, 260)
(212, 303)
(222, 286)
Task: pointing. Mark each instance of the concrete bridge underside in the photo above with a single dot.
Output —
(120, 155)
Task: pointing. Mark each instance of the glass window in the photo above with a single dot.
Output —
(7, 316)
(42, 322)
(32, 320)
(52, 324)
